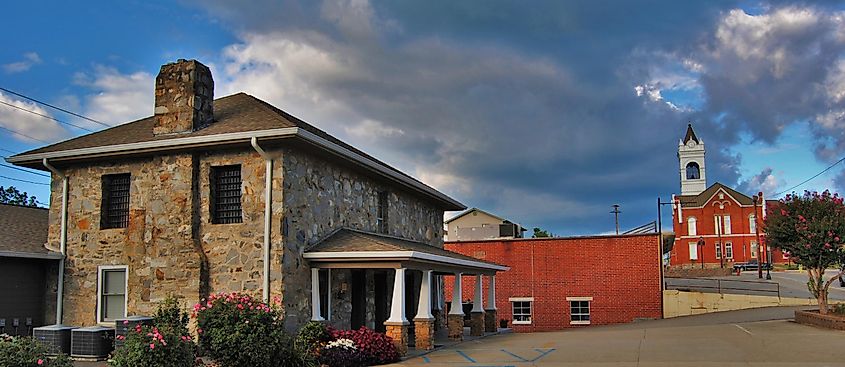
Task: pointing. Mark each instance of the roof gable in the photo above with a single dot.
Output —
(702, 199)
(470, 210)
(691, 135)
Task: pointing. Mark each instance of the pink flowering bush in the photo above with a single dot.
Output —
(374, 347)
(811, 229)
(166, 344)
(28, 352)
(238, 330)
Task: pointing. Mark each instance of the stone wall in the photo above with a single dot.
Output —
(320, 197)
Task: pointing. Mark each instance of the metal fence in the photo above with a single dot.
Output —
(723, 286)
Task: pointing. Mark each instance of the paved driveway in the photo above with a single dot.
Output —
(737, 338)
(794, 283)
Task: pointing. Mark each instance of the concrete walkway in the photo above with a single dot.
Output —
(759, 337)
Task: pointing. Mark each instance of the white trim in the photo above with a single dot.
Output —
(100, 269)
(315, 295)
(397, 303)
(521, 322)
(724, 236)
(424, 305)
(386, 255)
(569, 299)
(521, 299)
(579, 323)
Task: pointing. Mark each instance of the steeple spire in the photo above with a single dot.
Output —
(691, 135)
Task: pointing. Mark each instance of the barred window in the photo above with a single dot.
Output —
(114, 212)
(382, 212)
(226, 194)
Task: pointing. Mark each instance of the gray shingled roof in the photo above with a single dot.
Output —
(350, 240)
(23, 230)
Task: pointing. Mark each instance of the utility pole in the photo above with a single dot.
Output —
(756, 200)
(615, 213)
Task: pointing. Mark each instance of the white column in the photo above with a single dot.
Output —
(477, 302)
(491, 294)
(457, 308)
(315, 295)
(397, 305)
(424, 307)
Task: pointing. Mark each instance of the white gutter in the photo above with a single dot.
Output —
(268, 197)
(392, 255)
(62, 242)
(209, 140)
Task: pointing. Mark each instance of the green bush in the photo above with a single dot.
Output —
(27, 352)
(166, 344)
(312, 337)
(839, 309)
(237, 330)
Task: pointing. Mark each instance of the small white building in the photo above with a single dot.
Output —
(475, 224)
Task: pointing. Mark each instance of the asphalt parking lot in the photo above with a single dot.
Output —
(761, 337)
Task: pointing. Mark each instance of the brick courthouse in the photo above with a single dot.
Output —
(557, 283)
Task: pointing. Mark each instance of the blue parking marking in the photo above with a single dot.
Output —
(466, 356)
(426, 359)
(543, 354)
(516, 356)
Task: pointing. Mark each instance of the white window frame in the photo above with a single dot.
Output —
(718, 250)
(752, 224)
(589, 301)
(755, 250)
(727, 224)
(718, 224)
(692, 226)
(729, 251)
(530, 301)
(100, 270)
(693, 250)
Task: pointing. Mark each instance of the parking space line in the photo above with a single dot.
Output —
(744, 329)
(466, 356)
(515, 356)
(543, 354)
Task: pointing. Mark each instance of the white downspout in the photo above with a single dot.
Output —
(268, 196)
(62, 242)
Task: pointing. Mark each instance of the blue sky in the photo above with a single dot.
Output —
(546, 114)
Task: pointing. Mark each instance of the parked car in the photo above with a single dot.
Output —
(751, 265)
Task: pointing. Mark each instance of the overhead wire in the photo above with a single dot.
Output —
(811, 178)
(54, 107)
(47, 117)
(24, 135)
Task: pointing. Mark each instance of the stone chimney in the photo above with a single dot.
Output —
(184, 98)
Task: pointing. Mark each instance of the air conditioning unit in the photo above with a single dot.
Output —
(93, 342)
(123, 327)
(55, 337)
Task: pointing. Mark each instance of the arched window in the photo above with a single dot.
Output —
(693, 172)
(691, 226)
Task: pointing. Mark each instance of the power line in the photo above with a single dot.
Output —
(24, 135)
(54, 107)
(47, 117)
(27, 181)
(24, 170)
(811, 178)
(10, 151)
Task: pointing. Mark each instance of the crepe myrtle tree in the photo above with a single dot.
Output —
(811, 229)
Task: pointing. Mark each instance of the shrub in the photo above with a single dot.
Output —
(312, 337)
(342, 353)
(839, 309)
(148, 346)
(375, 347)
(237, 330)
(27, 352)
(165, 344)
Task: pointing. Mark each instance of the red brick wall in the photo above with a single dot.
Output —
(621, 273)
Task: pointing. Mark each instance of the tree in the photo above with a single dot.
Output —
(541, 233)
(811, 229)
(11, 195)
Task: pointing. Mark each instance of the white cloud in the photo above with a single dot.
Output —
(29, 59)
(37, 127)
(115, 97)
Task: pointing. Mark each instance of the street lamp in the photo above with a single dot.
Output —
(769, 261)
(756, 199)
(701, 250)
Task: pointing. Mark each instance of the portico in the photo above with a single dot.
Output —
(416, 295)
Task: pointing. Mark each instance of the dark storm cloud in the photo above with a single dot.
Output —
(528, 111)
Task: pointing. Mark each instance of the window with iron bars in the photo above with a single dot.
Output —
(115, 205)
(226, 194)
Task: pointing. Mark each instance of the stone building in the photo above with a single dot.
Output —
(233, 194)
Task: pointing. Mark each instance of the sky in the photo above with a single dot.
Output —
(545, 113)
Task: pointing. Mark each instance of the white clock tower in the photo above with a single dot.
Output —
(691, 158)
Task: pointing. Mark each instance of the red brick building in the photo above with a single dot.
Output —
(558, 283)
(716, 225)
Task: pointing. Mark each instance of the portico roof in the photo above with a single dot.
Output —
(349, 248)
